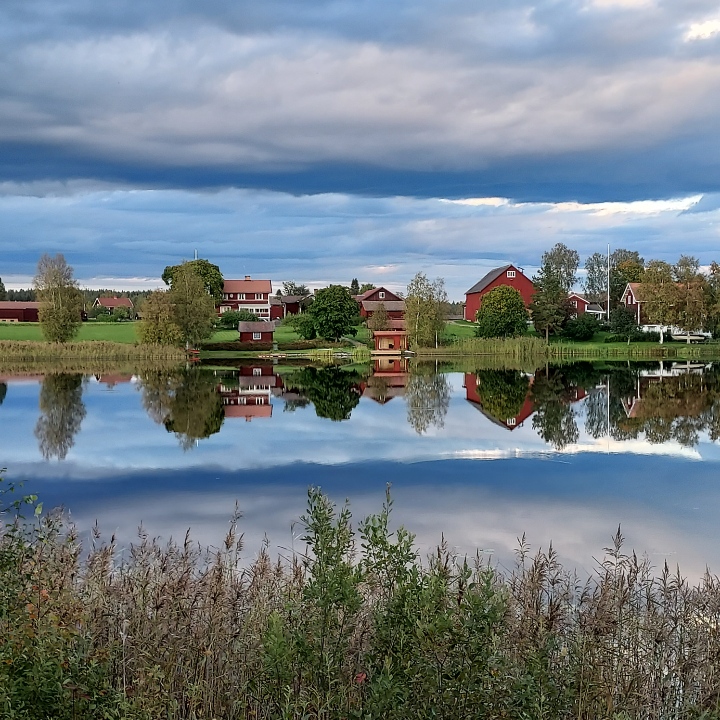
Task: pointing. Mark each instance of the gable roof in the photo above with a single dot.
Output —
(259, 326)
(635, 289)
(490, 277)
(247, 286)
(390, 305)
(113, 302)
(18, 305)
(372, 291)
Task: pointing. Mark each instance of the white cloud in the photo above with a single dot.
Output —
(703, 30)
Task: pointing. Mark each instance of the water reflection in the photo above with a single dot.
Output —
(334, 391)
(187, 403)
(61, 414)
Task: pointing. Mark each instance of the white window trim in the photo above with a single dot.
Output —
(257, 336)
(381, 295)
(257, 371)
(511, 273)
(511, 421)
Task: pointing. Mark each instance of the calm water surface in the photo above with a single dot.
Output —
(480, 456)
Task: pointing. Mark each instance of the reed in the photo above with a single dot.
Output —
(28, 351)
(356, 626)
(522, 348)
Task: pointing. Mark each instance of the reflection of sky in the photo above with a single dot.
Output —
(122, 471)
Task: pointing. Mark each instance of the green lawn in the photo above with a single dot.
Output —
(123, 332)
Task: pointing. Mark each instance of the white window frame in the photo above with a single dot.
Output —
(257, 336)
(381, 295)
(511, 273)
(241, 296)
(257, 371)
(511, 421)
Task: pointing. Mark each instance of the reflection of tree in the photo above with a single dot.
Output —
(61, 414)
(333, 391)
(3, 392)
(186, 402)
(427, 397)
(554, 417)
(293, 404)
(503, 392)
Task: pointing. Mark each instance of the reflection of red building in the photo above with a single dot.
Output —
(475, 399)
(111, 379)
(389, 380)
(248, 394)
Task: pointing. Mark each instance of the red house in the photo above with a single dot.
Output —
(632, 301)
(582, 305)
(389, 379)
(16, 311)
(281, 307)
(390, 342)
(111, 303)
(368, 303)
(256, 331)
(247, 294)
(248, 395)
(509, 275)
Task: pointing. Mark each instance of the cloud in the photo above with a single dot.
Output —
(530, 100)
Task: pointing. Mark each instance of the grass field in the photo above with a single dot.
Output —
(108, 332)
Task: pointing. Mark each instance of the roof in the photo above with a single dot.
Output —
(634, 288)
(390, 332)
(113, 302)
(259, 326)
(390, 305)
(248, 411)
(18, 305)
(288, 299)
(490, 277)
(396, 324)
(594, 307)
(247, 286)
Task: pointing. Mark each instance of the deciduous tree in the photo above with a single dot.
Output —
(60, 299)
(334, 312)
(61, 413)
(502, 314)
(559, 267)
(692, 309)
(292, 288)
(425, 310)
(158, 326)
(428, 397)
(379, 320)
(210, 274)
(659, 294)
(193, 308)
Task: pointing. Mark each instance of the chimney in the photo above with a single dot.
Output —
(247, 277)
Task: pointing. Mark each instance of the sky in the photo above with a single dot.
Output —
(323, 140)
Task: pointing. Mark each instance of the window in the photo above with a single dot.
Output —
(510, 421)
(225, 296)
(257, 336)
(258, 296)
(257, 371)
(241, 296)
(381, 295)
(574, 303)
(511, 273)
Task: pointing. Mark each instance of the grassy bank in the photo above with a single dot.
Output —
(356, 625)
(119, 332)
(44, 352)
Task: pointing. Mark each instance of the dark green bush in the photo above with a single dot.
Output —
(581, 328)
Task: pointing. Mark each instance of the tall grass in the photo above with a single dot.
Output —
(29, 351)
(356, 626)
(521, 348)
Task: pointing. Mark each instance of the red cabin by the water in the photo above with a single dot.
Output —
(509, 275)
(256, 331)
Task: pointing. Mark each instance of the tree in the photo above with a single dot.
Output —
(3, 392)
(502, 392)
(554, 418)
(231, 318)
(365, 287)
(334, 312)
(3, 293)
(559, 267)
(626, 266)
(60, 299)
(304, 325)
(712, 301)
(291, 288)
(379, 320)
(425, 310)
(502, 314)
(660, 295)
(158, 326)
(623, 322)
(581, 328)
(61, 414)
(595, 283)
(210, 274)
(193, 308)
(691, 284)
(354, 287)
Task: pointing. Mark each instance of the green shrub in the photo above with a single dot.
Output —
(581, 328)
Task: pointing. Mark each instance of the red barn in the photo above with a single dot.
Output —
(256, 331)
(16, 311)
(509, 275)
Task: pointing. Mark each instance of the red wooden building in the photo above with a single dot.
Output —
(390, 342)
(389, 379)
(256, 331)
(247, 294)
(16, 311)
(582, 305)
(632, 300)
(509, 275)
(111, 303)
(369, 301)
(281, 307)
(248, 395)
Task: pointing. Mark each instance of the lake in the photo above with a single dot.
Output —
(476, 455)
